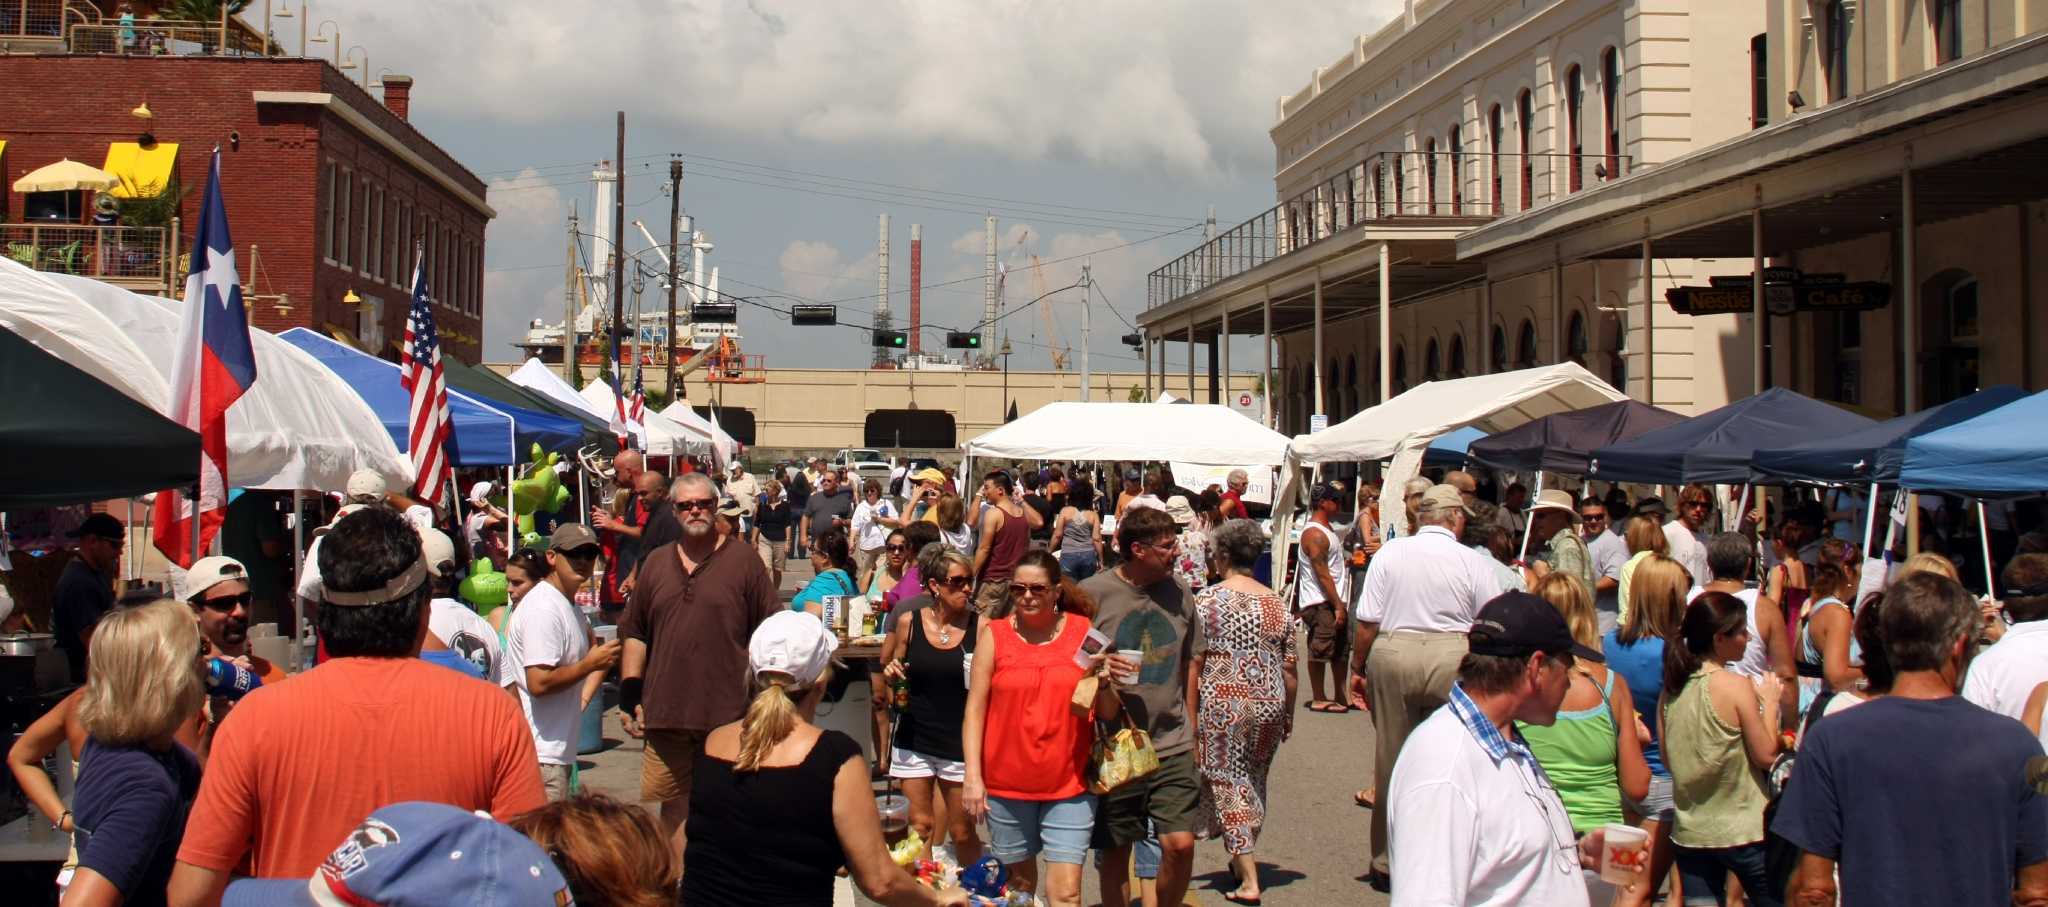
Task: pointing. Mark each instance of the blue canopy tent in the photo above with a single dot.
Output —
(1451, 448)
(1715, 448)
(1997, 453)
(481, 434)
(1875, 453)
(1560, 442)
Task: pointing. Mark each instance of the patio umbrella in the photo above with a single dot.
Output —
(66, 175)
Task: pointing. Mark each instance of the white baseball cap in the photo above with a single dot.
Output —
(345, 510)
(480, 492)
(792, 643)
(366, 486)
(209, 572)
(438, 551)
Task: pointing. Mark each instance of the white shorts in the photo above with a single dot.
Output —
(906, 764)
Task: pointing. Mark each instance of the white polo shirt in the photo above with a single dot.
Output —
(1467, 828)
(1688, 550)
(1427, 582)
(2005, 674)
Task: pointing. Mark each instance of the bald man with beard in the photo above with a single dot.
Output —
(619, 529)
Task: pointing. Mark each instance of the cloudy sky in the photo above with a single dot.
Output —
(1103, 128)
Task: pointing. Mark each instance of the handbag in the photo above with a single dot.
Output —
(1120, 758)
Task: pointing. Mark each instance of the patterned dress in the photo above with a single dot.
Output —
(1242, 714)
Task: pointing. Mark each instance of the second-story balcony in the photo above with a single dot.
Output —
(134, 258)
(1454, 190)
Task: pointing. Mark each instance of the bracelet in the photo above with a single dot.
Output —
(59, 824)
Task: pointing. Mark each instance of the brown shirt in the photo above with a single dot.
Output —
(696, 627)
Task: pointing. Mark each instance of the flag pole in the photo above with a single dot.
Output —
(196, 517)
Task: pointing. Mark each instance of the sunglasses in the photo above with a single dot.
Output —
(956, 582)
(898, 549)
(585, 554)
(697, 504)
(226, 603)
(1031, 589)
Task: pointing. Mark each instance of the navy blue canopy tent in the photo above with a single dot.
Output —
(1715, 448)
(1999, 452)
(1563, 442)
(481, 434)
(1875, 453)
(1451, 448)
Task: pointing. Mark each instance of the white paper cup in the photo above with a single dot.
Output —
(1136, 659)
(1625, 854)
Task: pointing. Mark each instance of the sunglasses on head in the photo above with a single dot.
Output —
(226, 603)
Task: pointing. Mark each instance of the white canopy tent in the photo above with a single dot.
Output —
(298, 428)
(1201, 434)
(1402, 428)
(661, 436)
(665, 439)
(722, 444)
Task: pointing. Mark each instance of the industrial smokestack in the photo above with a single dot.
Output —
(916, 288)
(883, 320)
(988, 288)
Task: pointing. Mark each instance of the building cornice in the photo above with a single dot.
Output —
(381, 136)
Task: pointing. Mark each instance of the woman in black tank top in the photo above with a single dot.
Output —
(937, 643)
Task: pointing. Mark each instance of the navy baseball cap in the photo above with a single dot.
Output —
(420, 855)
(1517, 624)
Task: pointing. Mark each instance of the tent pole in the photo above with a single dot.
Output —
(511, 515)
(298, 563)
(1984, 540)
(1528, 529)
(196, 518)
(1870, 520)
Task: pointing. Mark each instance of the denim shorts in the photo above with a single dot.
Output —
(1656, 805)
(1021, 829)
(1144, 856)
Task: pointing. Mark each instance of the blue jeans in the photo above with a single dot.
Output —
(1704, 873)
(1079, 565)
(1021, 829)
(1144, 855)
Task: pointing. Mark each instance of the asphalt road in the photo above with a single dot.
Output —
(1314, 850)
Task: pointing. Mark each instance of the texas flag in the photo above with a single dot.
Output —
(211, 368)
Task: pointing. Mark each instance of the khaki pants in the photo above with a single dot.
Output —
(864, 559)
(1411, 675)
(554, 781)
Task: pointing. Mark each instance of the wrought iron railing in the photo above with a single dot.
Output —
(161, 37)
(132, 256)
(1386, 187)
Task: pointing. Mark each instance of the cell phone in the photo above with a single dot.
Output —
(1091, 645)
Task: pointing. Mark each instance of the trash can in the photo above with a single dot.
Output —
(590, 738)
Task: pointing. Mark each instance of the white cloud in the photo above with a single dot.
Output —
(1188, 85)
(530, 217)
(815, 270)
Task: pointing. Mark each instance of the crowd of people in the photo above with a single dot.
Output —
(1545, 677)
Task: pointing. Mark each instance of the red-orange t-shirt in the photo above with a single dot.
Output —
(1034, 745)
(298, 765)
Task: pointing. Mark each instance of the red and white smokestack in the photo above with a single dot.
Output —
(916, 285)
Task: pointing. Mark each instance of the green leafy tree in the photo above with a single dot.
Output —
(1136, 395)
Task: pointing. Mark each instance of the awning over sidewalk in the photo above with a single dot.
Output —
(143, 172)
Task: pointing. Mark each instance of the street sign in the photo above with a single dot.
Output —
(1708, 300)
(1771, 276)
(811, 314)
(1781, 299)
(1244, 399)
(1847, 297)
(1318, 422)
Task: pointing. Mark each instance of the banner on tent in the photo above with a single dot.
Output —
(1194, 477)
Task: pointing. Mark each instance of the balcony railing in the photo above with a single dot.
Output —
(134, 257)
(32, 19)
(1387, 188)
(160, 37)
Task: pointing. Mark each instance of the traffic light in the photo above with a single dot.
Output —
(963, 340)
(1134, 340)
(814, 315)
(715, 313)
(894, 340)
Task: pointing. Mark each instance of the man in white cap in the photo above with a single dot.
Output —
(217, 588)
(553, 664)
(366, 487)
(308, 588)
(453, 629)
(741, 486)
(1550, 522)
(1421, 592)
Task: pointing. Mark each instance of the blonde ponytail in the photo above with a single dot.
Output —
(770, 718)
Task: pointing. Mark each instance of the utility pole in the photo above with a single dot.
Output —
(618, 260)
(569, 278)
(1087, 290)
(1005, 352)
(675, 214)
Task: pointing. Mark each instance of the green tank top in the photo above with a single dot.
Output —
(1578, 753)
(1719, 795)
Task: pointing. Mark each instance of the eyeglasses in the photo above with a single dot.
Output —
(226, 603)
(1031, 589)
(697, 504)
(1168, 545)
(956, 582)
(1565, 844)
(898, 549)
(1700, 504)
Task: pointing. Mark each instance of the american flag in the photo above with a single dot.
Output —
(637, 412)
(420, 372)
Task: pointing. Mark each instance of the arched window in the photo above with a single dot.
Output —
(1432, 362)
(1610, 108)
(1429, 175)
(1457, 180)
(1574, 104)
(1493, 147)
(1525, 123)
(1575, 339)
(1953, 365)
(1351, 406)
(1497, 355)
(1400, 370)
(1526, 346)
(1457, 363)
(1333, 397)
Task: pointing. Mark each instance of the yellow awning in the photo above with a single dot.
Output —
(143, 172)
(3, 146)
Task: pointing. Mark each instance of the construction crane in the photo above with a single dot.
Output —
(1055, 344)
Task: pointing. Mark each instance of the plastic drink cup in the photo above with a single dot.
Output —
(1625, 854)
(895, 810)
(1136, 659)
(605, 632)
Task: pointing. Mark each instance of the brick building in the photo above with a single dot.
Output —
(327, 188)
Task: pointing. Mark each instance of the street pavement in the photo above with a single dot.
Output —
(1316, 842)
